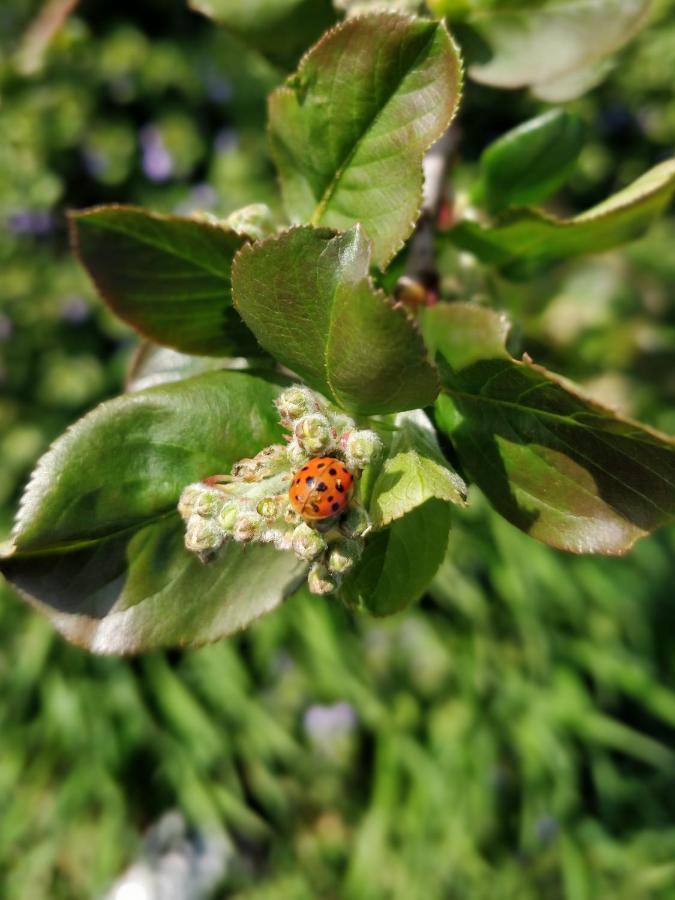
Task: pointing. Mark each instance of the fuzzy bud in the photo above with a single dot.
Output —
(297, 456)
(270, 508)
(321, 581)
(295, 402)
(247, 527)
(343, 556)
(356, 523)
(361, 447)
(209, 503)
(313, 434)
(228, 516)
(254, 221)
(202, 535)
(188, 499)
(307, 543)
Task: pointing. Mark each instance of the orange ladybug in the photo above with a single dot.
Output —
(321, 489)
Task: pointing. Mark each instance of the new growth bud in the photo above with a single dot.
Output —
(307, 543)
(361, 448)
(313, 434)
(321, 581)
(295, 402)
(343, 556)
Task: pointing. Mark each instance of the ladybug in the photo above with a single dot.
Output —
(321, 489)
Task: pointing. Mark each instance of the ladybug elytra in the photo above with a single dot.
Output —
(321, 489)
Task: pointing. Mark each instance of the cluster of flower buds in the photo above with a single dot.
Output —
(251, 505)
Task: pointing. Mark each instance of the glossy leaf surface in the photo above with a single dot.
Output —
(413, 472)
(350, 128)
(559, 466)
(531, 161)
(530, 45)
(400, 561)
(307, 298)
(526, 241)
(98, 544)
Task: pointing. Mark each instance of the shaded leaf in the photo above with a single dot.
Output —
(413, 472)
(531, 46)
(280, 29)
(127, 461)
(141, 590)
(531, 161)
(399, 562)
(307, 297)
(526, 241)
(167, 276)
(350, 128)
(563, 468)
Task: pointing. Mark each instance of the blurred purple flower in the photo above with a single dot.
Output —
(37, 222)
(201, 196)
(324, 724)
(157, 162)
(226, 141)
(6, 327)
(74, 309)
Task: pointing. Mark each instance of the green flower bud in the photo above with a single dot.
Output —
(313, 433)
(228, 516)
(307, 543)
(321, 581)
(209, 503)
(269, 461)
(295, 402)
(356, 523)
(343, 556)
(202, 535)
(188, 499)
(247, 527)
(270, 508)
(297, 456)
(361, 447)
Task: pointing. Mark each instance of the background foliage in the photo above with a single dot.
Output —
(511, 736)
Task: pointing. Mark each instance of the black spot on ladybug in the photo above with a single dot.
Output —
(297, 496)
(308, 481)
(332, 471)
(315, 507)
(304, 468)
(331, 498)
(322, 486)
(344, 471)
(297, 481)
(335, 507)
(321, 465)
(339, 486)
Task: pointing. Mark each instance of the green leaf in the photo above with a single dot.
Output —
(399, 563)
(561, 467)
(527, 241)
(527, 45)
(413, 472)
(350, 128)
(141, 589)
(280, 29)
(530, 162)
(127, 461)
(167, 276)
(98, 544)
(307, 297)
(152, 365)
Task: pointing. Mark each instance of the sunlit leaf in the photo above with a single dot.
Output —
(413, 472)
(350, 128)
(307, 298)
(525, 241)
(532, 45)
(563, 468)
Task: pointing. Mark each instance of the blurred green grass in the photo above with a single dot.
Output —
(510, 737)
